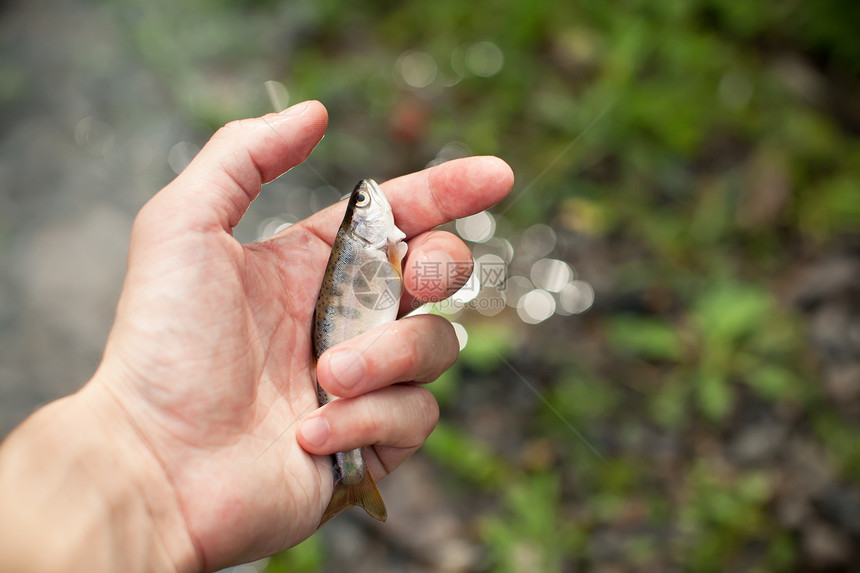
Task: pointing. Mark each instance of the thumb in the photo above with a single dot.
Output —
(219, 184)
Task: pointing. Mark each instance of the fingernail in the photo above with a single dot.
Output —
(452, 270)
(458, 274)
(316, 430)
(429, 275)
(437, 256)
(297, 109)
(347, 367)
(436, 264)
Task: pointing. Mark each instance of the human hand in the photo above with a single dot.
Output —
(208, 363)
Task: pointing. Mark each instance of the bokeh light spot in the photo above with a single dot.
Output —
(551, 274)
(515, 288)
(323, 197)
(180, 155)
(484, 59)
(454, 150)
(496, 246)
(298, 202)
(538, 241)
(536, 306)
(477, 228)
(449, 151)
(279, 96)
(575, 297)
(490, 301)
(418, 69)
(271, 226)
(462, 334)
(491, 270)
(95, 136)
(468, 291)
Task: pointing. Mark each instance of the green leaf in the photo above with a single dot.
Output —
(581, 398)
(306, 557)
(444, 388)
(647, 338)
(833, 208)
(773, 381)
(528, 535)
(729, 311)
(668, 406)
(471, 459)
(488, 343)
(714, 395)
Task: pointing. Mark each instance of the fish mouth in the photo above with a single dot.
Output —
(373, 219)
(376, 194)
(395, 234)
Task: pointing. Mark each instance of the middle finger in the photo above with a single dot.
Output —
(413, 349)
(437, 264)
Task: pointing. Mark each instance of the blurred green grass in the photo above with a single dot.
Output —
(695, 150)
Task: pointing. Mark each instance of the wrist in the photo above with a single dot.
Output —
(81, 490)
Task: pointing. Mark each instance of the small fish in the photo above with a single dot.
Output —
(360, 290)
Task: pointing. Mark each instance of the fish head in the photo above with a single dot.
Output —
(371, 218)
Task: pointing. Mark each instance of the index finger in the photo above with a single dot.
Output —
(425, 199)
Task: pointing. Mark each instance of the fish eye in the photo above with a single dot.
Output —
(362, 199)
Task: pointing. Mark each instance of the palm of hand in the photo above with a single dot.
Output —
(222, 356)
(210, 360)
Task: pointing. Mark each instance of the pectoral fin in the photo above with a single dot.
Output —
(396, 252)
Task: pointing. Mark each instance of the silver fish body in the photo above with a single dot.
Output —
(361, 290)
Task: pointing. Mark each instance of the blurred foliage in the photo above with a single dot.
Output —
(696, 148)
(306, 557)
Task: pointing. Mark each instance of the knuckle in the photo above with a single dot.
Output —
(141, 220)
(148, 217)
(231, 129)
(369, 424)
(440, 348)
(449, 336)
(432, 415)
(402, 360)
(429, 410)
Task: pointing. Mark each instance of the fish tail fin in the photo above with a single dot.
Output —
(363, 494)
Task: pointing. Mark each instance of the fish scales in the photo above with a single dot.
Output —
(360, 290)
